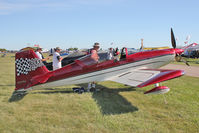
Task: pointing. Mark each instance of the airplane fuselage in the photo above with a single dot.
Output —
(81, 72)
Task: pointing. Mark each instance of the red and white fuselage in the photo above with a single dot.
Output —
(138, 69)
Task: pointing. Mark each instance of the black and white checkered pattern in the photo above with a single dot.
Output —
(24, 66)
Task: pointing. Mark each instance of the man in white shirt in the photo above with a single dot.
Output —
(57, 59)
(41, 57)
(110, 54)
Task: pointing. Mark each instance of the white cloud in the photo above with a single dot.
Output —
(11, 6)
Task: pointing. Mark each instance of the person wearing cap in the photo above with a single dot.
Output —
(95, 57)
(93, 53)
(40, 55)
(57, 59)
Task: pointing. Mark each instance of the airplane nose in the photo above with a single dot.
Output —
(179, 51)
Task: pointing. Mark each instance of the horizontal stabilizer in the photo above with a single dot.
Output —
(40, 78)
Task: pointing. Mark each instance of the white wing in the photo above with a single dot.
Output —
(141, 78)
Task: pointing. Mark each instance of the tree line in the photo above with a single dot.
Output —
(3, 49)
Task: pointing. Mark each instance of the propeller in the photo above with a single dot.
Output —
(173, 42)
(183, 60)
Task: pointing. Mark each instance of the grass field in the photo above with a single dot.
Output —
(117, 108)
(191, 61)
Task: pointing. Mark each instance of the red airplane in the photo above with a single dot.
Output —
(138, 69)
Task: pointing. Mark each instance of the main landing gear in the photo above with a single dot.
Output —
(92, 87)
(159, 90)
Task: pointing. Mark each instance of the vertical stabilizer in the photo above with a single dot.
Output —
(29, 70)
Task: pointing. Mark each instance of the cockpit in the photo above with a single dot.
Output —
(80, 58)
(86, 60)
(125, 52)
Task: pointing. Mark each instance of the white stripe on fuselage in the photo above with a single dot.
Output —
(105, 74)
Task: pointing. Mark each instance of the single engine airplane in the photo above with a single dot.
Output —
(138, 69)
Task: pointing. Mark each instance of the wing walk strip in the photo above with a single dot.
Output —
(124, 74)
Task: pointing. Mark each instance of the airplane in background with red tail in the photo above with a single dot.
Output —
(137, 69)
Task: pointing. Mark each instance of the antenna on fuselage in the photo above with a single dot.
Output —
(142, 44)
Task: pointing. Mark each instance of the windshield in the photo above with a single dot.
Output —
(132, 51)
(88, 60)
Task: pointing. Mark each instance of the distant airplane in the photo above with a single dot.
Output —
(138, 69)
(191, 51)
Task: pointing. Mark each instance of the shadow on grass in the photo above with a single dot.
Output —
(17, 96)
(53, 91)
(6, 85)
(111, 102)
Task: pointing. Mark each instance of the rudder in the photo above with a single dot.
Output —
(29, 70)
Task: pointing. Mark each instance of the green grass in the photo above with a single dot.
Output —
(117, 108)
(191, 61)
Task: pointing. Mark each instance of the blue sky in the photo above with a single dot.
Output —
(80, 23)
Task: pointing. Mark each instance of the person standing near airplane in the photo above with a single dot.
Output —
(95, 57)
(93, 52)
(117, 54)
(110, 54)
(57, 59)
(40, 55)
